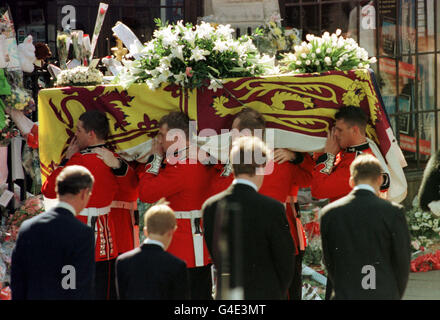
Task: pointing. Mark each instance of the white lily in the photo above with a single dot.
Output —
(198, 54)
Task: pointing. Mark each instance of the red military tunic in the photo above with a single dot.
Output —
(103, 192)
(123, 210)
(221, 178)
(185, 187)
(336, 184)
(282, 182)
(279, 183)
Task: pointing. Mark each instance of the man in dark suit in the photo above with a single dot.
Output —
(260, 254)
(54, 255)
(365, 239)
(149, 272)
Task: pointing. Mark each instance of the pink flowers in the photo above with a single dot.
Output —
(32, 207)
(189, 72)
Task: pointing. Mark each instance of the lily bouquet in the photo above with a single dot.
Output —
(193, 57)
(329, 52)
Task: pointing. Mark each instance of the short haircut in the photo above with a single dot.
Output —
(96, 121)
(365, 167)
(248, 154)
(176, 120)
(73, 179)
(159, 219)
(250, 119)
(353, 116)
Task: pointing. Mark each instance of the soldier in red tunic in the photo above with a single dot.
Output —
(92, 130)
(288, 170)
(175, 173)
(124, 205)
(331, 174)
(345, 141)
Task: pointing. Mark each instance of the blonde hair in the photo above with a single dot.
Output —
(365, 167)
(159, 219)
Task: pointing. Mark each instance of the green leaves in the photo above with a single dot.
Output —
(2, 115)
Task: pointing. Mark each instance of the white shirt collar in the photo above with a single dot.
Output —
(364, 187)
(247, 182)
(65, 205)
(151, 241)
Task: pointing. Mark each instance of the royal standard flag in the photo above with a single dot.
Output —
(299, 110)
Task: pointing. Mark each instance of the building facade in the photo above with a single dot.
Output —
(402, 34)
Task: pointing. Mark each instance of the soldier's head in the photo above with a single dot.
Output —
(350, 126)
(366, 169)
(249, 156)
(92, 128)
(160, 223)
(173, 128)
(74, 185)
(248, 122)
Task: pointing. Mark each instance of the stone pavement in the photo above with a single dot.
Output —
(423, 286)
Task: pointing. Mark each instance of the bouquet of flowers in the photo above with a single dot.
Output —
(7, 128)
(20, 99)
(79, 76)
(329, 52)
(63, 43)
(424, 228)
(272, 37)
(193, 57)
(77, 44)
(31, 207)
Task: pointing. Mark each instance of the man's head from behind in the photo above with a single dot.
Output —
(74, 185)
(249, 156)
(366, 169)
(92, 128)
(160, 223)
(351, 123)
(249, 122)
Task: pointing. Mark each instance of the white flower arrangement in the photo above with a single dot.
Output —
(80, 76)
(423, 226)
(329, 52)
(193, 57)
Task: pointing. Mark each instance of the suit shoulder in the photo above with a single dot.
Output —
(265, 201)
(214, 199)
(334, 207)
(129, 254)
(173, 259)
(28, 224)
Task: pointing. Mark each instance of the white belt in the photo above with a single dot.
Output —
(94, 212)
(188, 214)
(130, 205)
(197, 237)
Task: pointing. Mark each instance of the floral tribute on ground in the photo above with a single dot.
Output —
(424, 228)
